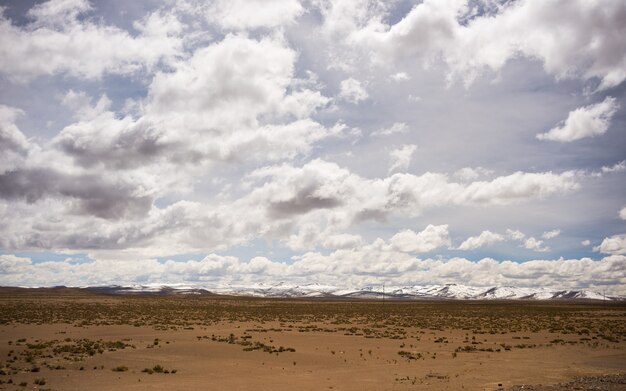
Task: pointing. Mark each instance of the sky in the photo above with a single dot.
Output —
(343, 142)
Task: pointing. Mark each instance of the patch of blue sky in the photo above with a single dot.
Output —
(49, 256)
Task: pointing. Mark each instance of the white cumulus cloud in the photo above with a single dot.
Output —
(266, 129)
(535, 245)
(352, 91)
(401, 157)
(470, 174)
(251, 14)
(515, 234)
(342, 268)
(14, 146)
(56, 41)
(615, 245)
(470, 44)
(588, 121)
(485, 238)
(551, 234)
(395, 128)
(617, 167)
(431, 238)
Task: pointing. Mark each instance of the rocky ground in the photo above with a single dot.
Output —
(587, 383)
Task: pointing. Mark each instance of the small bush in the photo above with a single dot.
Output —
(158, 369)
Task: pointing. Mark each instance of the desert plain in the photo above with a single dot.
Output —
(74, 339)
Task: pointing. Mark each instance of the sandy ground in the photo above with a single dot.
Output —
(345, 353)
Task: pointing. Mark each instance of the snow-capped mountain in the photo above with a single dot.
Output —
(284, 290)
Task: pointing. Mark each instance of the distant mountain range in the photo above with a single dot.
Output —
(432, 292)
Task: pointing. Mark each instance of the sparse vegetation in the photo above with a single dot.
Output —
(431, 332)
(158, 369)
(410, 355)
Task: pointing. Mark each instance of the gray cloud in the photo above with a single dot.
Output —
(136, 145)
(214, 127)
(231, 101)
(11, 139)
(95, 196)
(305, 200)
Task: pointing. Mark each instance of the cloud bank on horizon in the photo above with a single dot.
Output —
(351, 142)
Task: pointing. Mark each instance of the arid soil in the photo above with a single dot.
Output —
(602, 382)
(69, 339)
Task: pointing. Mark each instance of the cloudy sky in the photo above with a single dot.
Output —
(346, 142)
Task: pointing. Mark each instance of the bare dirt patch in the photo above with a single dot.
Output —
(66, 339)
